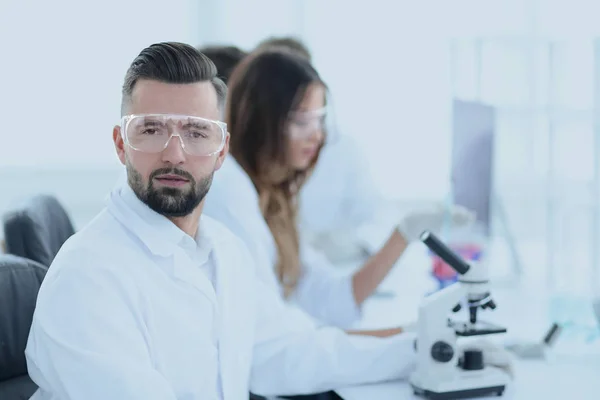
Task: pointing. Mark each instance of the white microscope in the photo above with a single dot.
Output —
(441, 371)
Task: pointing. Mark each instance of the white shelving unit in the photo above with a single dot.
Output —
(547, 151)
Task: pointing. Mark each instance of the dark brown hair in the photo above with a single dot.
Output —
(225, 58)
(172, 62)
(263, 90)
(285, 43)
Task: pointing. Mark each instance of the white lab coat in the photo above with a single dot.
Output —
(340, 193)
(124, 313)
(342, 212)
(323, 292)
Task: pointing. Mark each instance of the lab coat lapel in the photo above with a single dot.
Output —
(184, 269)
(178, 262)
(136, 225)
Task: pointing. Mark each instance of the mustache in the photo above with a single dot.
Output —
(172, 171)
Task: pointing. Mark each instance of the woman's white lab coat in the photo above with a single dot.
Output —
(322, 292)
(125, 313)
(342, 211)
(340, 193)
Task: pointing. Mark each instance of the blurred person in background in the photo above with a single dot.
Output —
(225, 58)
(341, 212)
(155, 300)
(339, 204)
(275, 112)
(285, 43)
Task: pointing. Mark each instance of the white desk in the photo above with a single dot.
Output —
(521, 308)
(534, 380)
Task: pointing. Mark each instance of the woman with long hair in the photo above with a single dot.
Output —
(275, 113)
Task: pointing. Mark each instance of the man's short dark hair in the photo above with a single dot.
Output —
(226, 58)
(285, 43)
(172, 62)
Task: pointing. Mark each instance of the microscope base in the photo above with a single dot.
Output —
(459, 394)
(464, 385)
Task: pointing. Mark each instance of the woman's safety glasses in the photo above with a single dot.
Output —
(304, 124)
(151, 133)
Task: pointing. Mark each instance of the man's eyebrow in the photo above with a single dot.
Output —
(153, 123)
(196, 124)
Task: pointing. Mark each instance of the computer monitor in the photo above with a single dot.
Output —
(473, 159)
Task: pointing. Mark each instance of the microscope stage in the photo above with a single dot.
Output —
(479, 328)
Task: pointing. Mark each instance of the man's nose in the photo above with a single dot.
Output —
(173, 152)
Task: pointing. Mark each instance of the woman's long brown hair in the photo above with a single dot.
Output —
(263, 90)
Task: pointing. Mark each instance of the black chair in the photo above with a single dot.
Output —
(37, 229)
(20, 281)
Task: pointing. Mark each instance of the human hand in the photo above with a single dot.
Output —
(432, 219)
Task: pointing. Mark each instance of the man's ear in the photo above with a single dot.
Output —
(119, 144)
(223, 153)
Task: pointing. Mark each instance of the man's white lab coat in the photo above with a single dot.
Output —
(322, 291)
(125, 313)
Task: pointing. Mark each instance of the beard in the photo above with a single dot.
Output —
(167, 201)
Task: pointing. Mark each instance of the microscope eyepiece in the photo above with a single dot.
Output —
(440, 249)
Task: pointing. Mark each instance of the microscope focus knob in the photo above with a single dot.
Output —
(442, 351)
(472, 360)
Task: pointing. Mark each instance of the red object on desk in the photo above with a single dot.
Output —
(441, 270)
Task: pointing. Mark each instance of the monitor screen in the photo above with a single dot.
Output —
(472, 158)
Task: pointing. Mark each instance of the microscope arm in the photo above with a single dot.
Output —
(435, 308)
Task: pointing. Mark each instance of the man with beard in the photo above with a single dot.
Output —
(153, 300)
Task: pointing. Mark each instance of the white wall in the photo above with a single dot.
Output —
(387, 64)
(63, 64)
(245, 23)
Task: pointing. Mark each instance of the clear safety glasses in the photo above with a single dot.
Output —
(304, 124)
(151, 133)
